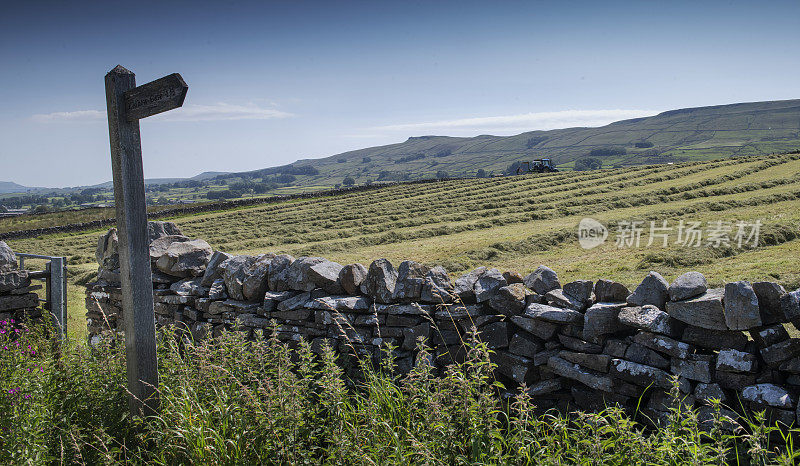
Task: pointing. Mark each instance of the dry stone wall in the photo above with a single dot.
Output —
(18, 299)
(582, 344)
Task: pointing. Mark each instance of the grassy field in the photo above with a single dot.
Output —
(515, 223)
(31, 222)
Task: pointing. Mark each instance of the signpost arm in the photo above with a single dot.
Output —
(137, 285)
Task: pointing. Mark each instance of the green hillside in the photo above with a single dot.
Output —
(691, 134)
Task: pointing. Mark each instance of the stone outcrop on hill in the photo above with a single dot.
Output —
(582, 344)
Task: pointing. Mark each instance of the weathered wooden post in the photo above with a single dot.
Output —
(127, 104)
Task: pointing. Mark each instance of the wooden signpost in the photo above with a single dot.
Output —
(127, 104)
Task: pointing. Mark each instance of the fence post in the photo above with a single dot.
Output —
(48, 286)
(58, 292)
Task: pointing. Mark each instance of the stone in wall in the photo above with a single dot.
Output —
(542, 280)
(464, 286)
(11, 280)
(688, 285)
(600, 320)
(653, 291)
(650, 318)
(157, 229)
(234, 273)
(278, 272)
(351, 277)
(741, 306)
(768, 295)
(213, 270)
(607, 291)
(437, 287)
(509, 300)
(487, 284)
(107, 253)
(410, 280)
(159, 245)
(380, 282)
(324, 274)
(184, 259)
(704, 311)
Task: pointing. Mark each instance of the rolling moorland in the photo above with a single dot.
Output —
(513, 223)
(675, 136)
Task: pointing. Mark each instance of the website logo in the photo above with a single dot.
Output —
(591, 233)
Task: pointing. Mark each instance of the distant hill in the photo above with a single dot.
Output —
(674, 136)
(11, 187)
(7, 187)
(155, 181)
(207, 176)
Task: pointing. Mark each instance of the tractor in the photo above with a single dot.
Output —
(538, 166)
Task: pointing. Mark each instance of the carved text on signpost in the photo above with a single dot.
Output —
(155, 97)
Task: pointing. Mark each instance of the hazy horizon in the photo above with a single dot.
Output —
(274, 82)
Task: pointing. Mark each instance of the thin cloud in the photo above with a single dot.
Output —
(193, 112)
(77, 115)
(516, 123)
(223, 112)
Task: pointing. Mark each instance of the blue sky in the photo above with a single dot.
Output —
(273, 82)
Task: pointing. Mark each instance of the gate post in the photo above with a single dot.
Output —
(58, 292)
